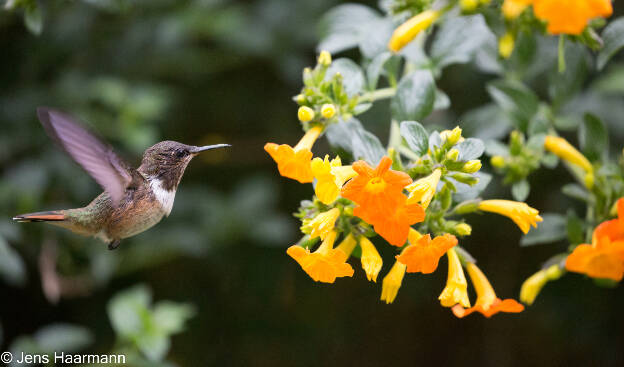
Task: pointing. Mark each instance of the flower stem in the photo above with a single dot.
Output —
(562, 61)
(378, 94)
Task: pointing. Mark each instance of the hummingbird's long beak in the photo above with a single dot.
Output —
(197, 150)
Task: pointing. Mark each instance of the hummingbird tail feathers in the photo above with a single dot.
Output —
(51, 216)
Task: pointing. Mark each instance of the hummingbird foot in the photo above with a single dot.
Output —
(114, 244)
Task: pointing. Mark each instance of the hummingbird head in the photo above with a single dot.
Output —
(167, 160)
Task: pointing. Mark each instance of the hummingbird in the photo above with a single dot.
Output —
(133, 200)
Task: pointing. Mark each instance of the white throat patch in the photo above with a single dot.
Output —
(164, 197)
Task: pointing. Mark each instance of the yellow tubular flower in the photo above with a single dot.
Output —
(456, 290)
(294, 162)
(513, 8)
(564, 150)
(423, 190)
(325, 264)
(346, 246)
(506, 45)
(497, 161)
(413, 236)
(330, 177)
(392, 282)
(407, 31)
(523, 215)
(322, 225)
(371, 261)
(463, 229)
(534, 284)
(305, 114)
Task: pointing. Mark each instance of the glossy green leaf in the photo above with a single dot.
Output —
(352, 75)
(470, 149)
(344, 26)
(415, 97)
(375, 68)
(33, 18)
(613, 38)
(63, 337)
(458, 39)
(367, 146)
(593, 138)
(516, 99)
(520, 190)
(416, 136)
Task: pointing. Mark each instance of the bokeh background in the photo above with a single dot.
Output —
(212, 71)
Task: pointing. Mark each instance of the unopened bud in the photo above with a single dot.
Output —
(472, 166)
(299, 98)
(454, 136)
(324, 58)
(305, 114)
(452, 154)
(506, 45)
(589, 180)
(468, 5)
(463, 229)
(328, 110)
(497, 161)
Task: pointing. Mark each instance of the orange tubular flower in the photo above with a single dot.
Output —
(604, 258)
(325, 264)
(487, 301)
(295, 162)
(377, 191)
(395, 228)
(570, 16)
(424, 255)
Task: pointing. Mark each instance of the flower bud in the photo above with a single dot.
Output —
(299, 98)
(463, 229)
(305, 114)
(472, 166)
(497, 161)
(452, 137)
(589, 180)
(452, 154)
(513, 8)
(324, 58)
(506, 45)
(328, 110)
(468, 5)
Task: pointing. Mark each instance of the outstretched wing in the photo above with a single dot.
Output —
(95, 156)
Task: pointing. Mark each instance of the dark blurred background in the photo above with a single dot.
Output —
(209, 71)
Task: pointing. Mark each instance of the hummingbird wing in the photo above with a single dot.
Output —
(95, 156)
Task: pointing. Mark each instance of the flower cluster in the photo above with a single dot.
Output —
(406, 195)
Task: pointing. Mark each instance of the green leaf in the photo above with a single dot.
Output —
(63, 337)
(33, 18)
(470, 149)
(611, 81)
(375, 37)
(415, 97)
(563, 86)
(486, 122)
(574, 228)
(520, 190)
(495, 147)
(458, 39)
(154, 346)
(593, 138)
(375, 68)
(12, 268)
(367, 146)
(416, 136)
(344, 26)
(170, 317)
(552, 229)
(613, 37)
(515, 99)
(339, 134)
(442, 100)
(352, 75)
(126, 309)
(575, 191)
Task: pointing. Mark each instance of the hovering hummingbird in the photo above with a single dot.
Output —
(133, 199)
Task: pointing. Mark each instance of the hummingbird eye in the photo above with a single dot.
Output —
(180, 153)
